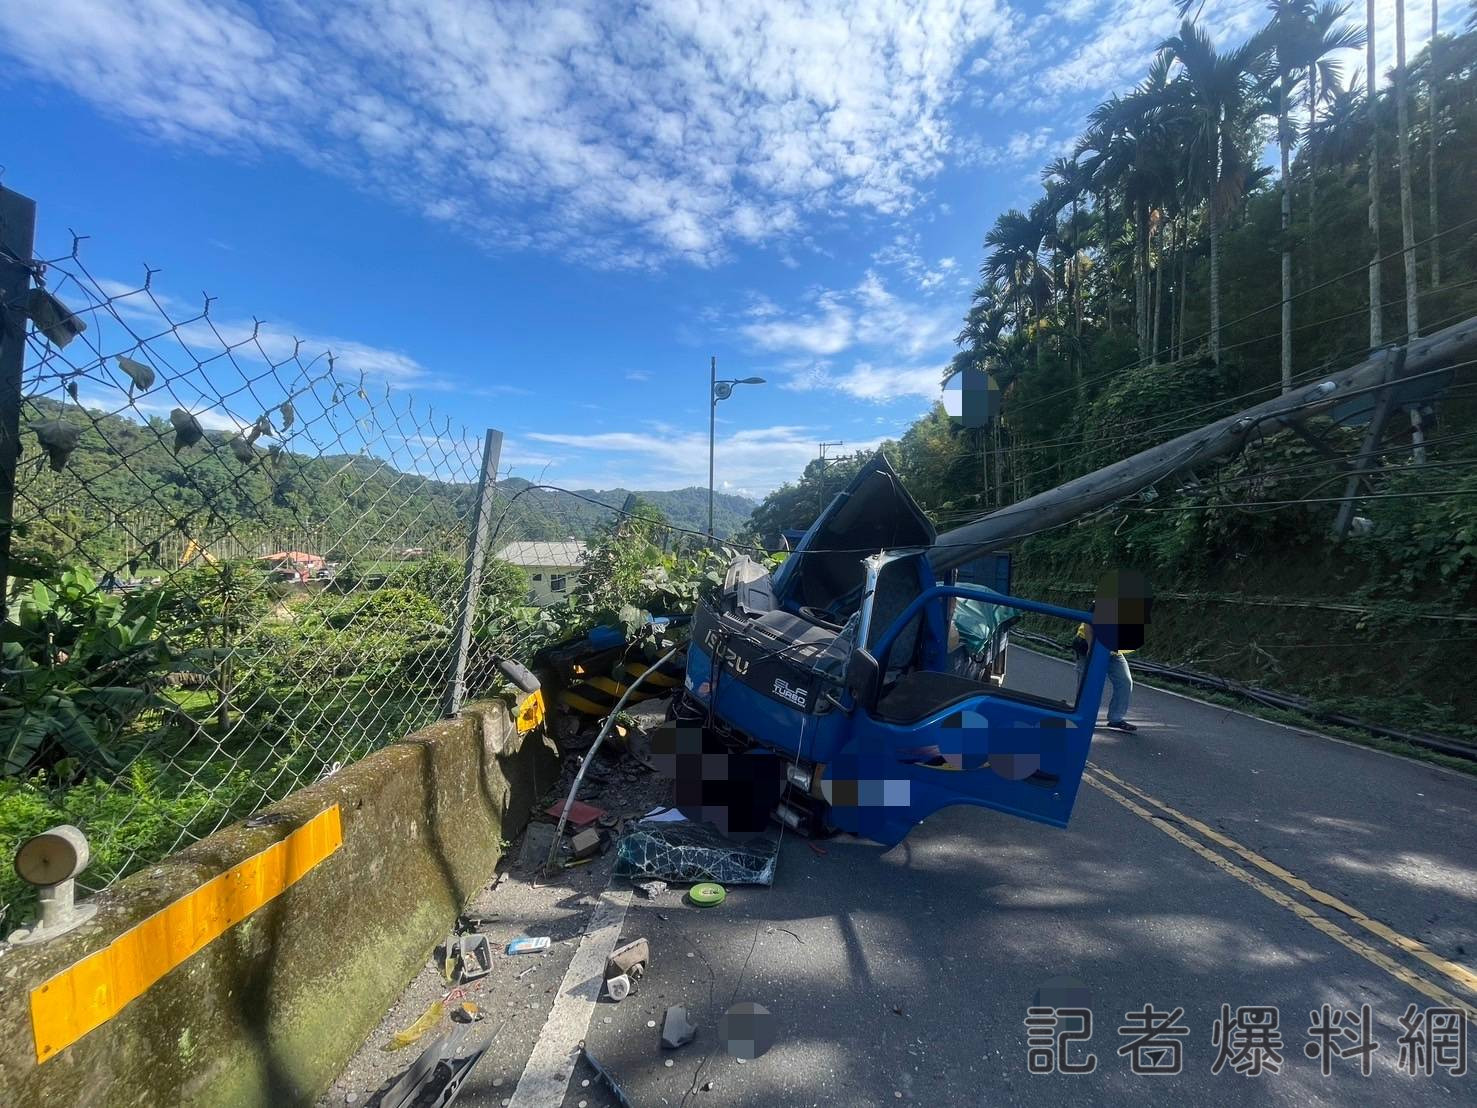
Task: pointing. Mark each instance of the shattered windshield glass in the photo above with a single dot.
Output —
(694, 852)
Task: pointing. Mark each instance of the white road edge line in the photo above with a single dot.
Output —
(551, 1066)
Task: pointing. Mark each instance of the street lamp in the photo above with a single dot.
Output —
(718, 390)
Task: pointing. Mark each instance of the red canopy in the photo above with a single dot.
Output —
(294, 558)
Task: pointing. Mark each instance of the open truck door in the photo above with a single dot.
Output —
(923, 738)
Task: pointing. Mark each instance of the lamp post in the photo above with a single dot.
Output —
(718, 390)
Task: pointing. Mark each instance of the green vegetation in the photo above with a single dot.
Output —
(150, 717)
(1138, 298)
(153, 718)
(78, 670)
(1286, 716)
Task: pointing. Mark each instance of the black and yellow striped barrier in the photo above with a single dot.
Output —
(596, 695)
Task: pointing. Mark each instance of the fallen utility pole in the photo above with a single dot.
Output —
(1084, 495)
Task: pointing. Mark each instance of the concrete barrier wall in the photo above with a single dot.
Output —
(267, 1013)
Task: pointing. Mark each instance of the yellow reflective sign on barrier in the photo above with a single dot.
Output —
(531, 711)
(88, 993)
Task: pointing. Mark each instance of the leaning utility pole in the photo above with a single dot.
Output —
(1384, 405)
(1084, 495)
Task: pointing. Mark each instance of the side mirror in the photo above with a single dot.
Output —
(863, 677)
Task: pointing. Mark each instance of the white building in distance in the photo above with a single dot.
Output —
(551, 566)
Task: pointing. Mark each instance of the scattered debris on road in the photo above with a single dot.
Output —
(523, 902)
(610, 1082)
(587, 844)
(436, 1077)
(787, 931)
(475, 957)
(677, 1029)
(581, 815)
(651, 889)
(694, 852)
(536, 843)
(618, 987)
(708, 894)
(477, 921)
(466, 1012)
(526, 945)
(630, 960)
(427, 1020)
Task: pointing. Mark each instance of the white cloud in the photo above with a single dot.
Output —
(180, 332)
(866, 315)
(229, 372)
(828, 331)
(758, 458)
(211, 415)
(1022, 146)
(1079, 51)
(878, 384)
(673, 128)
(903, 253)
(1124, 34)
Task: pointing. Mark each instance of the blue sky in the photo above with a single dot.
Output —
(545, 217)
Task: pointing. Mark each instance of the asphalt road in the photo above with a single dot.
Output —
(1212, 860)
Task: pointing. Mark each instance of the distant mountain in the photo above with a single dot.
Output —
(688, 507)
(124, 494)
(577, 512)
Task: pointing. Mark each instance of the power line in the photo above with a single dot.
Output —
(1142, 361)
(1185, 423)
(1301, 469)
(1318, 603)
(1306, 500)
(1301, 378)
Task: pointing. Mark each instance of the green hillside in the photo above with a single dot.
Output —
(123, 495)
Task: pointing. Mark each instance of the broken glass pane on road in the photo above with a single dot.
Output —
(694, 852)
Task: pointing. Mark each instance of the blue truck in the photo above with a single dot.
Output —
(874, 686)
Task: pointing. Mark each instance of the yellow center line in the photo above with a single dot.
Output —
(1457, 973)
(1299, 909)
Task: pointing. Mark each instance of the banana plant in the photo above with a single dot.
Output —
(79, 665)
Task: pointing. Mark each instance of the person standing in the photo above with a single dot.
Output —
(1119, 678)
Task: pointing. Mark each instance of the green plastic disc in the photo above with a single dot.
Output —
(707, 894)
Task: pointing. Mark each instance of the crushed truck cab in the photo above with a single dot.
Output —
(839, 671)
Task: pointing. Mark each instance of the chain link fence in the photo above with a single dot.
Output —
(236, 564)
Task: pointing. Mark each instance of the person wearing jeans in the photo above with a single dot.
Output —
(1120, 680)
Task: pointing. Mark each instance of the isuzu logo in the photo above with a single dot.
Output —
(785, 691)
(725, 654)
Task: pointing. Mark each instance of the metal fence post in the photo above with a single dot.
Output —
(17, 241)
(456, 687)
